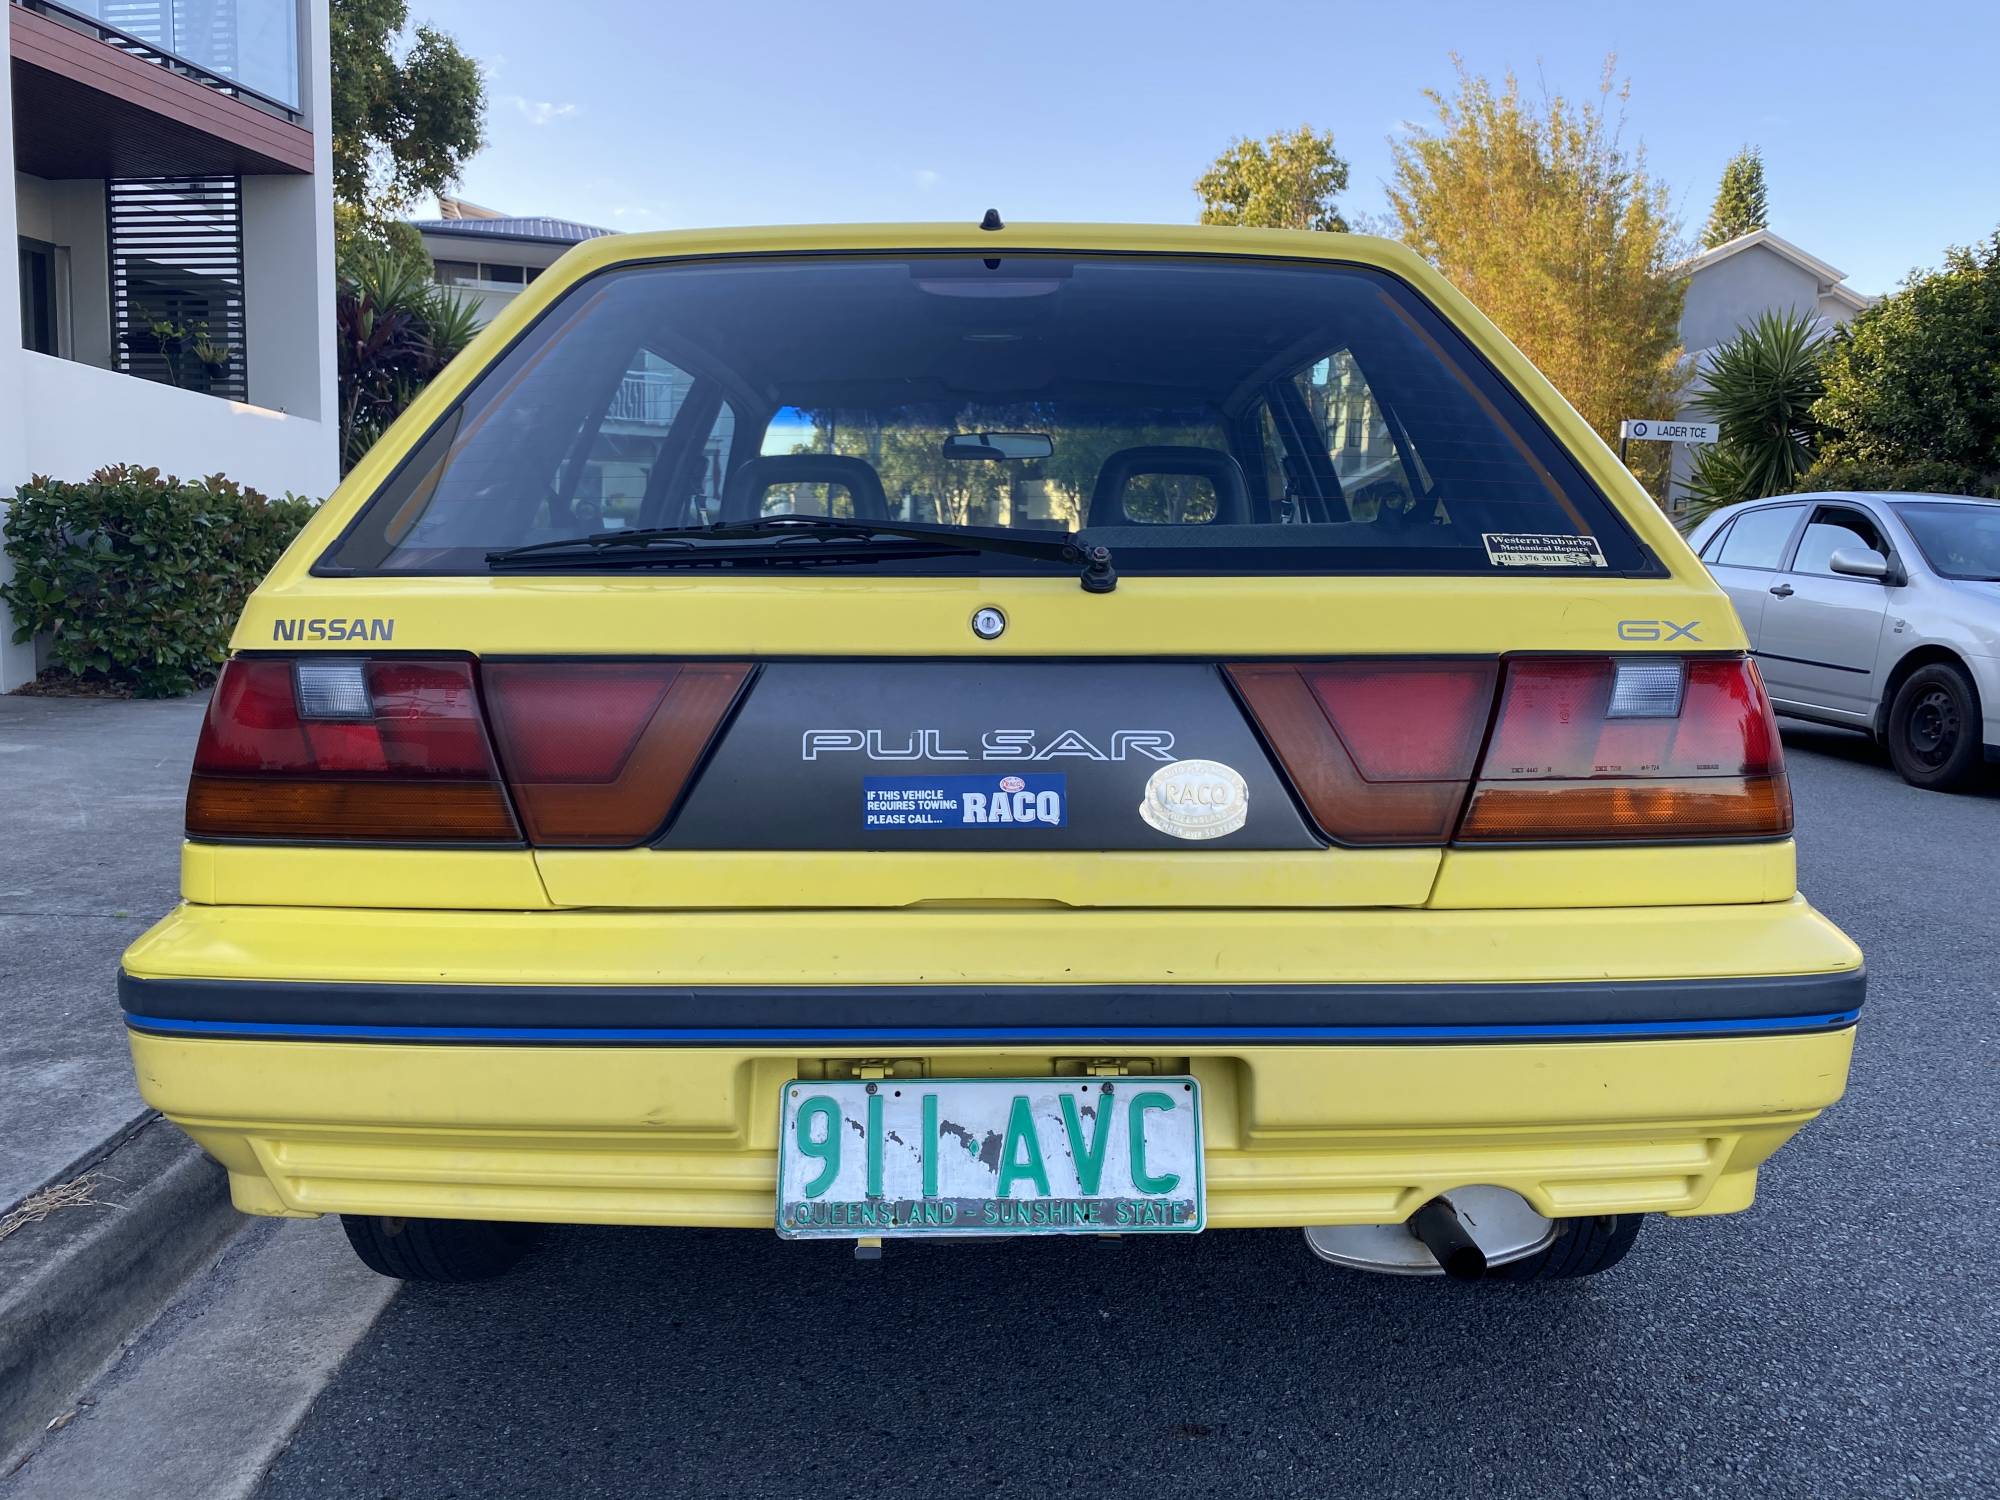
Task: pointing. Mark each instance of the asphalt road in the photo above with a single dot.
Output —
(1840, 1339)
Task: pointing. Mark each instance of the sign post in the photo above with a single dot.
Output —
(1647, 430)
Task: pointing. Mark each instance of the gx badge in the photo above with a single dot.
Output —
(1657, 630)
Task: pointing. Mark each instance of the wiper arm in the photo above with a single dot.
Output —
(1097, 576)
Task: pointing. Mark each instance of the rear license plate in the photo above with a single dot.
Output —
(985, 1156)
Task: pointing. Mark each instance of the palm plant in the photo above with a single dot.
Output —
(1759, 389)
(396, 329)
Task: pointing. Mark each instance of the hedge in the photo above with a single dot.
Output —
(137, 579)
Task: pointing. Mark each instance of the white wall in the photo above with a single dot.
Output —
(66, 419)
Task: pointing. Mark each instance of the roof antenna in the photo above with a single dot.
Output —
(992, 220)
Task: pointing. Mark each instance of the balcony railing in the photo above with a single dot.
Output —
(644, 396)
(248, 49)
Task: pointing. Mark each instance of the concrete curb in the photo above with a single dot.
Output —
(78, 1284)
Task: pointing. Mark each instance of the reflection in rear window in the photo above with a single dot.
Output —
(1207, 416)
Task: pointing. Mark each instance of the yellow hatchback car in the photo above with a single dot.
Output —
(881, 732)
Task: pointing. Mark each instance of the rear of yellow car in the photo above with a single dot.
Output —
(884, 732)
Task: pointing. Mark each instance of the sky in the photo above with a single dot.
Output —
(1879, 124)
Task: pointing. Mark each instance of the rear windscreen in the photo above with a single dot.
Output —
(1195, 416)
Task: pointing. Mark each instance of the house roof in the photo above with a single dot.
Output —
(534, 230)
(1829, 277)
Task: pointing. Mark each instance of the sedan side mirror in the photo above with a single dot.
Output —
(1860, 562)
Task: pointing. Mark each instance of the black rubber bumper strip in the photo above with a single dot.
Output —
(933, 1013)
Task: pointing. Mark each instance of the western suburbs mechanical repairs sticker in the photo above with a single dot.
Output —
(1196, 799)
(964, 801)
(1534, 549)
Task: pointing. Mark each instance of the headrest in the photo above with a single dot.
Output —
(743, 495)
(1224, 474)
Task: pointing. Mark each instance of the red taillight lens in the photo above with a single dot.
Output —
(1380, 752)
(1631, 749)
(345, 749)
(599, 752)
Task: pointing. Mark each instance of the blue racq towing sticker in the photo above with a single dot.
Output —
(919, 802)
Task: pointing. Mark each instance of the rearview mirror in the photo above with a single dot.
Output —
(1859, 562)
(999, 445)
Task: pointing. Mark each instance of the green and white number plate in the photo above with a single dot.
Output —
(984, 1156)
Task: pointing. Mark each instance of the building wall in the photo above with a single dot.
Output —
(66, 418)
(1723, 297)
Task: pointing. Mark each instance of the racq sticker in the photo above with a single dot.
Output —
(923, 802)
(1535, 549)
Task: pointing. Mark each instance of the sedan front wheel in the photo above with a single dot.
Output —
(1934, 729)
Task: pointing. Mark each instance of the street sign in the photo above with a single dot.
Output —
(1646, 430)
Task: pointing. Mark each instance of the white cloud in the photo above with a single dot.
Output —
(538, 111)
(927, 179)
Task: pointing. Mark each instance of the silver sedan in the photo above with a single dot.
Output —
(1878, 612)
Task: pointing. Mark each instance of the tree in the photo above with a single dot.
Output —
(405, 117)
(1288, 180)
(1913, 384)
(1534, 210)
(1740, 207)
(1759, 389)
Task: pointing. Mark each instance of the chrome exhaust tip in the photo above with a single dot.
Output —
(1462, 1233)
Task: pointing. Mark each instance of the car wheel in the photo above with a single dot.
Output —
(1582, 1247)
(1934, 729)
(437, 1249)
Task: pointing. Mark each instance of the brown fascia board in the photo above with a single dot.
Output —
(145, 112)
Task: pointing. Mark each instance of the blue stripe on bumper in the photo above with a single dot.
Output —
(958, 1036)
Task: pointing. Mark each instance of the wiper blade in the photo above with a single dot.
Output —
(668, 545)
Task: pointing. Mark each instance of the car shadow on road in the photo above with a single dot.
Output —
(693, 1361)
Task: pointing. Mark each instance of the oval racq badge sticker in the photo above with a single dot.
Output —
(1196, 799)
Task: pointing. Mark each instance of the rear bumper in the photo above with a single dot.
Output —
(1295, 1135)
(626, 1067)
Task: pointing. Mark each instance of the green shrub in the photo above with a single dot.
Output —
(137, 579)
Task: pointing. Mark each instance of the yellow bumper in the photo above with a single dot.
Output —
(1297, 1132)
(1296, 1135)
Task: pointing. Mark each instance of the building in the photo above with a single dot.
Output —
(173, 209)
(488, 256)
(1738, 281)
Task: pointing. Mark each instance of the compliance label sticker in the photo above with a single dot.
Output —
(1535, 549)
(922, 802)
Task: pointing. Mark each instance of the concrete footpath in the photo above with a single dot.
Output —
(105, 1210)
(91, 796)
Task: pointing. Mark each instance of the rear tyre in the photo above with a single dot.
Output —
(437, 1249)
(1582, 1247)
(1934, 729)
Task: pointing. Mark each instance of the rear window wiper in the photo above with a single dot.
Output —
(694, 546)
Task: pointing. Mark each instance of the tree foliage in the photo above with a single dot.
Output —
(406, 114)
(1288, 180)
(1759, 389)
(1535, 211)
(395, 329)
(1740, 206)
(1913, 383)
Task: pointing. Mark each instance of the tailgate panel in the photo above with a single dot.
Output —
(1082, 740)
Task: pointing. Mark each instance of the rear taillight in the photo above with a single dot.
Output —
(1626, 749)
(1630, 749)
(1380, 752)
(393, 750)
(599, 752)
(341, 748)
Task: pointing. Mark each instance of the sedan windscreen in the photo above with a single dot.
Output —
(1958, 540)
(1193, 415)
